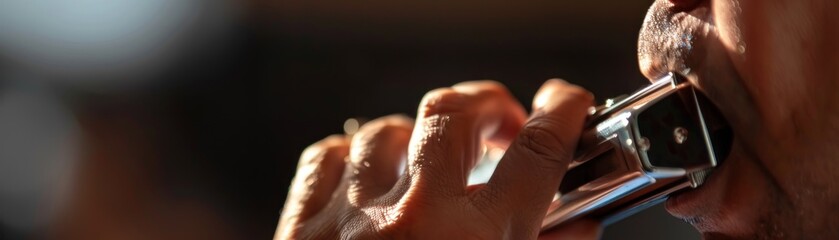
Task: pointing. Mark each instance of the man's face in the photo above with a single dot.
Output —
(770, 66)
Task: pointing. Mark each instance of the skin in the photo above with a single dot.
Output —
(350, 187)
(770, 67)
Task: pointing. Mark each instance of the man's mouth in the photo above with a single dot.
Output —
(681, 38)
(689, 203)
(685, 203)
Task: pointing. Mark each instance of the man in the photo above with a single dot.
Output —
(770, 66)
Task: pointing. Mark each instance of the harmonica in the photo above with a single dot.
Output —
(638, 149)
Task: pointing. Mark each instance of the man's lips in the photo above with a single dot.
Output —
(689, 202)
(692, 203)
(674, 39)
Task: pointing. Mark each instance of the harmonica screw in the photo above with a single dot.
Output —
(644, 144)
(680, 134)
(610, 102)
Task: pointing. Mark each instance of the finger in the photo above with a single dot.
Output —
(450, 125)
(583, 229)
(318, 174)
(528, 175)
(503, 124)
(377, 155)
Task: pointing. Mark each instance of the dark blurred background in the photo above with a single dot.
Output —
(184, 119)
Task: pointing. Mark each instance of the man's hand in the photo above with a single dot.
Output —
(361, 188)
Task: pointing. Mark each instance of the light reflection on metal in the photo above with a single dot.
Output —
(632, 181)
(617, 175)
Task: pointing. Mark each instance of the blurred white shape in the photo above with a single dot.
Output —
(95, 39)
(486, 165)
(38, 146)
(351, 126)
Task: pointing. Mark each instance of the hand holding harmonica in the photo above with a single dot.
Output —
(395, 178)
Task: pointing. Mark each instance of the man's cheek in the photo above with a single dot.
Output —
(747, 196)
(728, 16)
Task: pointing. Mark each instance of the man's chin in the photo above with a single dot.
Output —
(732, 202)
(705, 207)
(696, 203)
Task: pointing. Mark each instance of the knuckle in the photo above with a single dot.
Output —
(379, 136)
(442, 101)
(542, 139)
(578, 94)
(483, 89)
(332, 147)
(480, 86)
(386, 127)
(462, 97)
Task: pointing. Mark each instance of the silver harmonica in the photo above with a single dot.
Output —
(638, 149)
